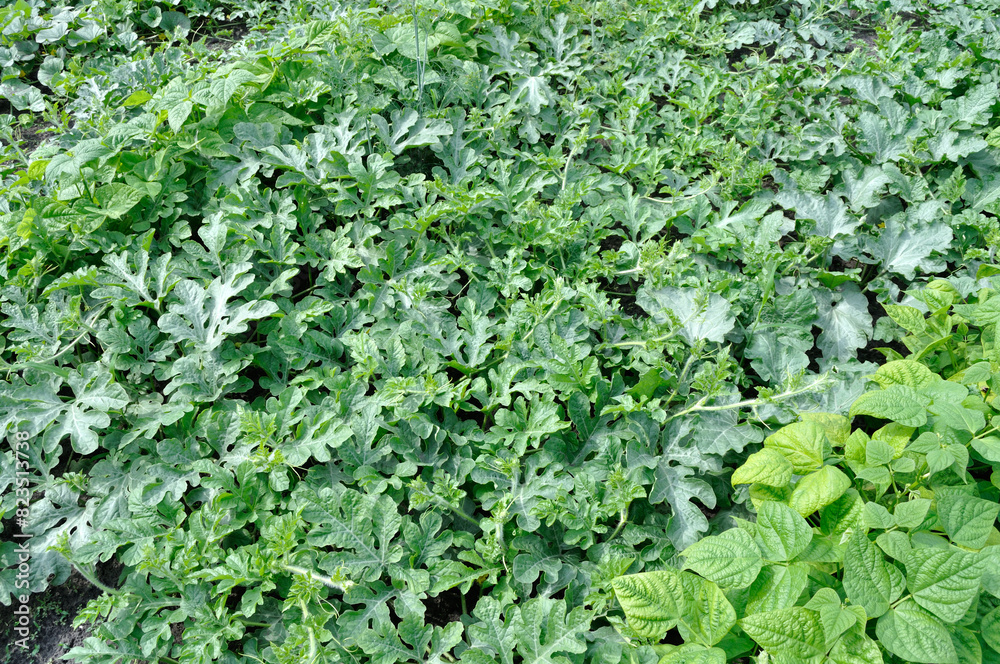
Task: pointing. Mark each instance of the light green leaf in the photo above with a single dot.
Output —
(802, 443)
(730, 559)
(836, 618)
(782, 533)
(869, 580)
(819, 489)
(910, 319)
(988, 447)
(692, 653)
(905, 372)
(777, 587)
(912, 634)
(988, 312)
(768, 466)
(911, 513)
(878, 452)
(856, 648)
(877, 517)
(895, 435)
(177, 114)
(115, 200)
(653, 602)
(944, 581)
(709, 615)
(837, 427)
(967, 520)
(796, 632)
(899, 403)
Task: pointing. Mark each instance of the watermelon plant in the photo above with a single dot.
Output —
(398, 331)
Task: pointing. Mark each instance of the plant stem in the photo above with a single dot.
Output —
(325, 580)
(623, 519)
(92, 578)
(746, 403)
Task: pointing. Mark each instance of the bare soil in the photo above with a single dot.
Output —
(52, 614)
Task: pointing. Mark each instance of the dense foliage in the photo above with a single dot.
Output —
(399, 332)
(899, 523)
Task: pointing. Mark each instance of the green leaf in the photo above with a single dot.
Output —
(990, 629)
(944, 581)
(845, 321)
(362, 528)
(767, 466)
(967, 520)
(692, 653)
(911, 513)
(653, 602)
(837, 427)
(830, 214)
(988, 447)
(958, 418)
(819, 489)
(915, 636)
(95, 395)
(836, 618)
(878, 140)
(856, 648)
(493, 634)
(864, 189)
(98, 650)
(777, 587)
(205, 316)
(905, 372)
(547, 630)
(910, 319)
(899, 403)
(904, 248)
(115, 200)
(869, 580)
(409, 130)
(534, 90)
(802, 443)
(700, 315)
(967, 646)
(795, 632)
(730, 559)
(782, 533)
(709, 616)
(677, 486)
